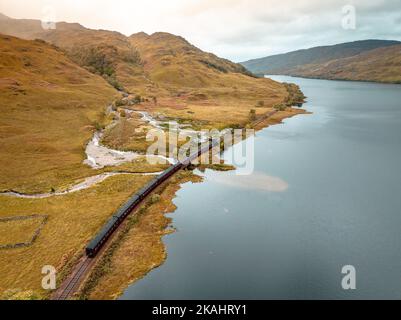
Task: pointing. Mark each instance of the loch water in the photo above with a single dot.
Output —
(325, 193)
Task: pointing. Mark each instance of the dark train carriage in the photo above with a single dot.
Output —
(97, 242)
(127, 207)
(169, 172)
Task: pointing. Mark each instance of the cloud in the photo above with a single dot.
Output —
(234, 29)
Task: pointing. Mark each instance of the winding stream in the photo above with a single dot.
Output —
(99, 156)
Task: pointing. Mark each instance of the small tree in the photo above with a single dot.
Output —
(260, 104)
(137, 99)
(119, 103)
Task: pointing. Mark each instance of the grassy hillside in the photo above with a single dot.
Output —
(379, 65)
(172, 60)
(170, 75)
(289, 62)
(49, 107)
(53, 95)
(103, 52)
(197, 86)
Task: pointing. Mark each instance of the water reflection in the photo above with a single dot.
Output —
(256, 181)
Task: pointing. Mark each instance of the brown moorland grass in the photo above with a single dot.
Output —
(49, 107)
(92, 49)
(18, 231)
(73, 220)
(140, 249)
(129, 134)
(181, 71)
(169, 68)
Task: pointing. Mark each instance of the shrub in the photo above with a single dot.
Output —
(155, 198)
(97, 59)
(295, 95)
(280, 107)
(113, 82)
(131, 56)
(98, 126)
(119, 103)
(212, 65)
(137, 99)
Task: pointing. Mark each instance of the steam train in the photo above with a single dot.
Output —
(112, 224)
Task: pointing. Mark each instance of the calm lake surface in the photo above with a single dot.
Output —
(326, 192)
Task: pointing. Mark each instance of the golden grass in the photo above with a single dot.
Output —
(49, 107)
(73, 220)
(18, 231)
(49, 110)
(141, 249)
(128, 134)
(139, 165)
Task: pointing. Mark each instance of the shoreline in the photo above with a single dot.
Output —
(121, 273)
(155, 254)
(333, 79)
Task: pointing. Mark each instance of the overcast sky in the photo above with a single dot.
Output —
(234, 29)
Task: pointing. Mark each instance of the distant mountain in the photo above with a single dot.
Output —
(353, 61)
(378, 65)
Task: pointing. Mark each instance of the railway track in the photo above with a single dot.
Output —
(264, 117)
(70, 285)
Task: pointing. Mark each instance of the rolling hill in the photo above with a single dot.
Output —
(120, 59)
(186, 82)
(49, 108)
(53, 96)
(367, 60)
(103, 52)
(378, 65)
